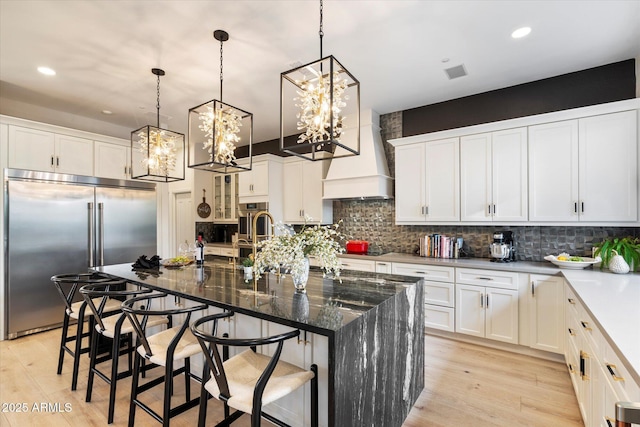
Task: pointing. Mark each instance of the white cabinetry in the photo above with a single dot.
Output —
(546, 313)
(566, 160)
(493, 176)
(225, 198)
(383, 267)
(428, 182)
(358, 264)
(263, 183)
(439, 299)
(487, 304)
(112, 160)
(46, 151)
(302, 192)
(598, 376)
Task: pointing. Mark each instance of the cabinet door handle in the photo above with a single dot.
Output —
(421, 272)
(382, 263)
(575, 208)
(487, 300)
(571, 300)
(489, 209)
(484, 278)
(482, 300)
(586, 326)
(51, 160)
(571, 370)
(345, 265)
(572, 332)
(609, 421)
(494, 210)
(582, 207)
(583, 357)
(57, 161)
(533, 289)
(610, 368)
(125, 170)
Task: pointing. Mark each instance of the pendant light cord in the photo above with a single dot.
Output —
(321, 32)
(221, 70)
(158, 103)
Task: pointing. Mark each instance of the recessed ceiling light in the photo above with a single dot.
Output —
(521, 32)
(107, 112)
(47, 71)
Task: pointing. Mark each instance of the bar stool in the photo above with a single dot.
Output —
(67, 285)
(164, 349)
(249, 380)
(115, 327)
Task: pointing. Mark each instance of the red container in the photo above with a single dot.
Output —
(359, 247)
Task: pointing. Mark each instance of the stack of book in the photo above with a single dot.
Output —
(440, 246)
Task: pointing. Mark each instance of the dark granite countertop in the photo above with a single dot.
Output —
(325, 307)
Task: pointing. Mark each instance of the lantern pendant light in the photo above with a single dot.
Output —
(320, 104)
(217, 131)
(157, 154)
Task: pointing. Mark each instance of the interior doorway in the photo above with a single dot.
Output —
(184, 225)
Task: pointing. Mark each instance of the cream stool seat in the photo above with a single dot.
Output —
(165, 348)
(248, 380)
(111, 305)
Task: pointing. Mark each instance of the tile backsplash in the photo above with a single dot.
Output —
(374, 221)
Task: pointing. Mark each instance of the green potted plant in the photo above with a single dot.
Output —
(627, 247)
(247, 264)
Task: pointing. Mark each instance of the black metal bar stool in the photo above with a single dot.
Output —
(249, 380)
(115, 327)
(164, 349)
(67, 286)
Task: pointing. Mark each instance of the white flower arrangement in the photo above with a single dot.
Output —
(289, 249)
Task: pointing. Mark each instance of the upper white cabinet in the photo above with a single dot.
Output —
(225, 197)
(493, 176)
(302, 192)
(255, 183)
(46, 151)
(263, 183)
(427, 182)
(112, 160)
(585, 170)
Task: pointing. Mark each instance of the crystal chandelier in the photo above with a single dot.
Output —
(155, 151)
(328, 126)
(217, 129)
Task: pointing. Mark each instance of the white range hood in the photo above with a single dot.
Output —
(365, 176)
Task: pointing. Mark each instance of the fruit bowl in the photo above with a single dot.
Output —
(572, 265)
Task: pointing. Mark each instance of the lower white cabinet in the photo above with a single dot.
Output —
(358, 264)
(546, 313)
(599, 378)
(383, 267)
(487, 312)
(439, 300)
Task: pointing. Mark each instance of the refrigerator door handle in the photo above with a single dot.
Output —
(101, 233)
(90, 233)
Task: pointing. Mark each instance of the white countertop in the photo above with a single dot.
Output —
(613, 301)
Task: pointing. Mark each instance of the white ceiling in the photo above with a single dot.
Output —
(103, 52)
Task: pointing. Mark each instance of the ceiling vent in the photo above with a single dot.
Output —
(455, 72)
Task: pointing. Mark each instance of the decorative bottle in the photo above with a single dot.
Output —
(199, 251)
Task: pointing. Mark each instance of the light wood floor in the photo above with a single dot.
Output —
(465, 385)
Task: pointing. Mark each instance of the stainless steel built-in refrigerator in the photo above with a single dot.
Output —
(56, 223)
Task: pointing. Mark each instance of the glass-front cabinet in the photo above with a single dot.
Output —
(225, 198)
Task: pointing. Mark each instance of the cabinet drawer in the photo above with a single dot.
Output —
(619, 377)
(589, 330)
(439, 293)
(358, 264)
(437, 317)
(430, 272)
(491, 278)
(230, 252)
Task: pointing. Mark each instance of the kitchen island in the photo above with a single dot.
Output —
(366, 330)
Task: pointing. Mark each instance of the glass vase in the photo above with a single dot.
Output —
(300, 281)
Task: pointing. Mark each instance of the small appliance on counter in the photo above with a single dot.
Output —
(358, 247)
(503, 248)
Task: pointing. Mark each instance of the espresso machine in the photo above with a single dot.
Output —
(502, 249)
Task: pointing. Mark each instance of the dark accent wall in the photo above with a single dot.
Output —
(374, 220)
(608, 83)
